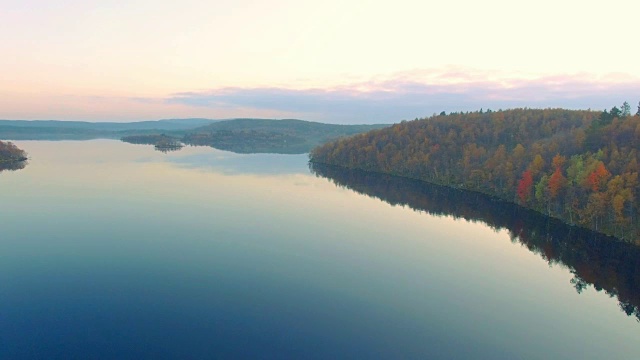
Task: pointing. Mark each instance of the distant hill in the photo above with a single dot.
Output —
(578, 166)
(275, 136)
(80, 130)
(289, 126)
(238, 135)
(288, 136)
(164, 124)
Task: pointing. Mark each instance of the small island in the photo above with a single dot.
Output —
(162, 142)
(11, 157)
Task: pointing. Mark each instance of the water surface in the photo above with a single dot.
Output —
(113, 250)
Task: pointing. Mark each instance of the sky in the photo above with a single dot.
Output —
(335, 61)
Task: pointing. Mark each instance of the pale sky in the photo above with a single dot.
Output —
(330, 60)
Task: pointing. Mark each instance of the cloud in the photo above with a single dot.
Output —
(421, 93)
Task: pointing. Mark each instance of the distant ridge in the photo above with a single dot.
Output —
(245, 135)
(168, 124)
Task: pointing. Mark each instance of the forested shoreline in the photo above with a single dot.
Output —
(10, 152)
(11, 157)
(288, 136)
(594, 259)
(579, 166)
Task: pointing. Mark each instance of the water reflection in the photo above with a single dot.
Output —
(166, 144)
(168, 148)
(596, 260)
(231, 163)
(12, 165)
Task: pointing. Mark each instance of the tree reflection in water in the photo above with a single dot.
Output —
(596, 260)
(12, 165)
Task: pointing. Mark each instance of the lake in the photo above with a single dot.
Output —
(114, 250)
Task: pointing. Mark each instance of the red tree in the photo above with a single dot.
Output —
(600, 173)
(524, 186)
(556, 182)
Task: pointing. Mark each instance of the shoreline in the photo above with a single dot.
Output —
(490, 197)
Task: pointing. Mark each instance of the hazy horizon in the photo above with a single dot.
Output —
(330, 61)
(115, 121)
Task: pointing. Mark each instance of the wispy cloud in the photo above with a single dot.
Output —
(422, 92)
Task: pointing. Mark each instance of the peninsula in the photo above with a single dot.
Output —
(579, 166)
(11, 157)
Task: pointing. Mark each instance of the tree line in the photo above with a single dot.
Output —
(580, 166)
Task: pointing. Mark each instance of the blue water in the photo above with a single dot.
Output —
(113, 250)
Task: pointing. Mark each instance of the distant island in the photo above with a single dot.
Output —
(288, 136)
(574, 165)
(11, 157)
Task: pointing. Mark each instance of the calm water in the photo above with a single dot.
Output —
(113, 250)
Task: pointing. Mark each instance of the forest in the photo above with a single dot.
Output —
(249, 141)
(11, 157)
(579, 166)
(287, 136)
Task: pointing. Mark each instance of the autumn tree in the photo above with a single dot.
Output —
(597, 177)
(578, 166)
(536, 165)
(556, 182)
(524, 186)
